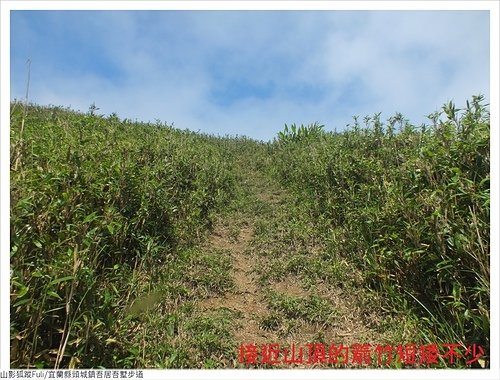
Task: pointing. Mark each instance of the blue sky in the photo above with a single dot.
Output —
(250, 72)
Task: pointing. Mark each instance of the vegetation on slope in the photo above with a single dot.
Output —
(110, 221)
(97, 203)
(408, 206)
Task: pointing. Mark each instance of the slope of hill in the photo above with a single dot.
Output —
(136, 245)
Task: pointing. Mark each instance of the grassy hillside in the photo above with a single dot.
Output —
(407, 206)
(140, 245)
(98, 205)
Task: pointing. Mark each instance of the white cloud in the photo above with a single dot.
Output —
(412, 62)
(168, 66)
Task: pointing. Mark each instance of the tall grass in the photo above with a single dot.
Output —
(98, 203)
(106, 215)
(409, 207)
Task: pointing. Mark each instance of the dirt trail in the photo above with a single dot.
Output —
(246, 298)
(280, 290)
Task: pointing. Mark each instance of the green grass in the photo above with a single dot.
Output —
(102, 209)
(310, 309)
(408, 206)
(110, 218)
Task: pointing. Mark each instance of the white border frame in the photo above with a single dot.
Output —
(493, 6)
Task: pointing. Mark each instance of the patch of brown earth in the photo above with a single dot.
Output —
(348, 324)
(291, 287)
(246, 298)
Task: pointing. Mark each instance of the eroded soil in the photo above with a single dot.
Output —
(284, 292)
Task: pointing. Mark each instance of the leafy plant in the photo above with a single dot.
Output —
(407, 206)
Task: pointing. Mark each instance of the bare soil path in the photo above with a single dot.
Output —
(287, 287)
(246, 298)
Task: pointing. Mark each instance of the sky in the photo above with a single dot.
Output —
(250, 72)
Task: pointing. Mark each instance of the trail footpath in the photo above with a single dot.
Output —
(288, 291)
